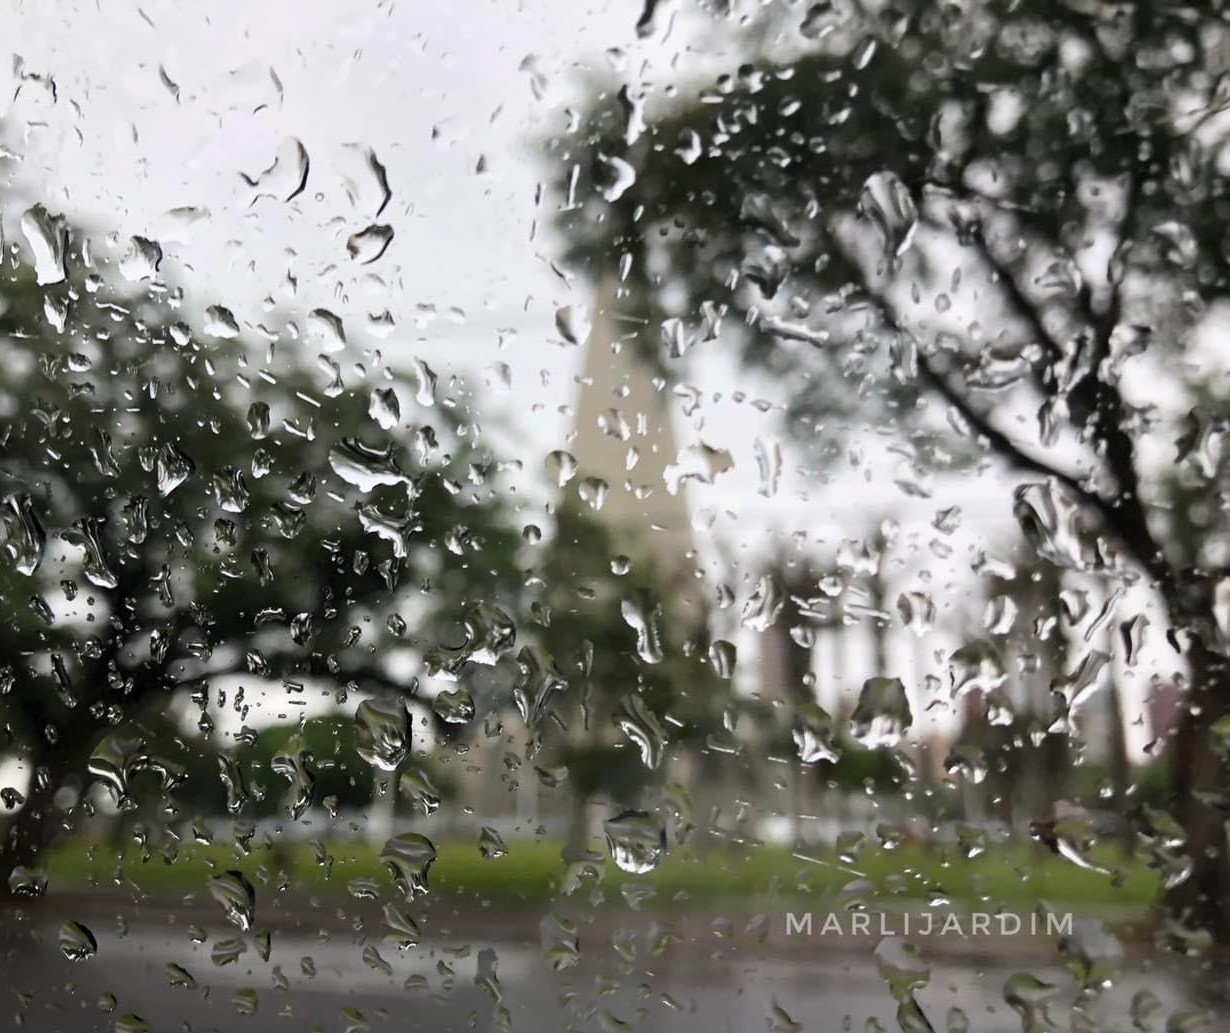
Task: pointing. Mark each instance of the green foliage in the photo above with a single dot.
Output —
(175, 519)
(1022, 135)
(584, 629)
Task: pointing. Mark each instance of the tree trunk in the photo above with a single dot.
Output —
(578, 827)
(37, 824)
(1200, 777)
(1120, 773)
(31, 830)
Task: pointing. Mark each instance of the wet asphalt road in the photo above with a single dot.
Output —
(433, 988)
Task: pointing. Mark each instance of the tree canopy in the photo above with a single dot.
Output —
(995, 228)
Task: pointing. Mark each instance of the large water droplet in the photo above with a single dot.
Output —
(27, 882)
(637, 841)
(487, 634)
(365, 466)
(220, 322)
(292, 762)
(882, 716)
(86, 534)
(237, 896)
(77, 943)
(172, 467)
(141, 260)
(383, 735)
(113, 761)
(538, 682)
(814, 735)
(699, 462)
(327, 329)
(641, 725)
(490, 844)
(1050, 522)
(643, 614)
(409, 857)
(47, 236)
(384, 408)
(454, 706)
(561, 467)
(573, 323)
(765, 604)
(886, 201)
(25, 540)
(286, 177)
(560, 944)
(416, 786)
(369, 244)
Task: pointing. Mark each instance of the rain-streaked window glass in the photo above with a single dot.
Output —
(693, 515)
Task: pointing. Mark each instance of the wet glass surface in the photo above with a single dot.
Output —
(703, 514)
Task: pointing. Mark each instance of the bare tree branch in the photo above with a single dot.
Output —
(1000, 443)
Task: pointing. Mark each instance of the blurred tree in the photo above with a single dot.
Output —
(639, 687)
(184, 514)
(974, 214)
(342, 780)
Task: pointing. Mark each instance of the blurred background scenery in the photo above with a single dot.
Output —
(505, 509)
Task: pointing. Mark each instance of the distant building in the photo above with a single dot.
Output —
(624, 436)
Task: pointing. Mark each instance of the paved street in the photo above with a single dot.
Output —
(324, 982)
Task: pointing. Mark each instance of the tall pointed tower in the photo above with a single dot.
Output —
(623, 434)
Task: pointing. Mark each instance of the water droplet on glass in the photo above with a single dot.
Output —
(235, 893)
(643, 614)
(402, 931)
(573, 323)
(815, 736)
(178, 976)
(723, 655)
(454, 706)
(173, 467)
(77, 943)
(636, 840)
(887, 203)
(141, 260)
(901, 967)
(1050, 522)
(765, 604)
(561, 467)
(47, 236)
(227, 951)
(369, 244)
(221, 323)
(490, 845)
(365, 466)
(643, 727)
(917, 612)
(700, 463)
(538, 683)
(416, 786)
(383, 734)
(292, 762)
(327, 329)
(27, 882)
(25, 540)
(384, 408)
(286, 177)
(560, 944)
(409, 858)
(882, 715)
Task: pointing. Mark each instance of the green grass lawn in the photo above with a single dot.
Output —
(532, 872)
